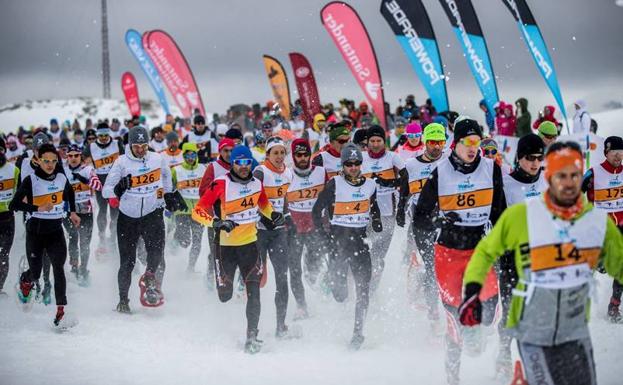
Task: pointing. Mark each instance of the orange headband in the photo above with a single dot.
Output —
(557, 160)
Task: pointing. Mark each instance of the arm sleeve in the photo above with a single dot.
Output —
(499, 200)
(166, 177)
(611, 252)
(325, 199)
(427, 206)
(23, 191)
(204, 209)
(114, 176)
(206, 181)
(70, 197)
(375, 212)
(266, 209)
(488, 250)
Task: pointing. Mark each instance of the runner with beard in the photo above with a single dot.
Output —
(603, 185)
(463, 196)
(201, 136)
(9, 179)
(558, 239)
(84, 182)
(307, 182)
(103, 154)
(232, 205)
(329, 156)
(218, 168)
(349, 199)
(388, 170)
(422, 242)
(173, 153)
(273, 241)
(43, 196)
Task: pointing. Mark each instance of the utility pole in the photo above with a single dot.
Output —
(105, 53)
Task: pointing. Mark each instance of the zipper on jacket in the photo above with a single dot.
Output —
(557, 318)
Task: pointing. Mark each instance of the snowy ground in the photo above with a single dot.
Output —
(194, 339)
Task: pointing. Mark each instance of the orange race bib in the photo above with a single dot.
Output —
(145, 179)
(385, 174)
(7, 184)
(468, 200)
(416, 186)
(276, 192)
(188, 183)
(350, 208)
(561, 255)
(80, 187)
(106, 161)
(608, 194)
(54, 198)
(242, 204)
(305, 194)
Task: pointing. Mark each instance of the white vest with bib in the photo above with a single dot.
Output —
(517, 192)
(188, 181)
(303, 191)
(608, 190)
(352, 204)
(44, 191)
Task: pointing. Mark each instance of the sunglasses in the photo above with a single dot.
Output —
(549, 136)
(352, 164)
(470, 142)
(191, 155)
(73, 156)
(343, 141)
(440, 143)
(532, 158)
(243, 162)
(49, 161)
(301, 155)
(492, 151)
(414, 136)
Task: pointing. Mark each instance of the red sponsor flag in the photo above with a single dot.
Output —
(130, 90)
(174, 71)
(352, 40)
(306, 86)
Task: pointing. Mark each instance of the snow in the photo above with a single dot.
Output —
(194, 339)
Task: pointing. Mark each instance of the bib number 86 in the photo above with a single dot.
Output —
(463, 200)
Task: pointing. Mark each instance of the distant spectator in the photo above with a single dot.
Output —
(582, 119)
(505, 122)
(523, 118)
(490, 119)
(547, 115)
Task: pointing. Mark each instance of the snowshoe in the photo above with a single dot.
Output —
(62, 322)
(518, 377)
(123, 307)
(252, 345)
(46, 294)
(356, 342)
(25, 293)
(286, 333)
(614, 314)
(151, 296)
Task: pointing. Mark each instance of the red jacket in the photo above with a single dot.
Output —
(548, 115)
(208, 176)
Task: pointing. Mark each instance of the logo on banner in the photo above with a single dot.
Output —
(373, 89)
(273, 72)
(362, 71)
(193, 97)
(181, 101)
(302, 72)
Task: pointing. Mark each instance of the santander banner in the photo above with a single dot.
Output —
(352, 40)
(130, 90)
(306, 86)
(174, 71)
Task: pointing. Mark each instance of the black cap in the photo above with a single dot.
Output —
(466, 127)
(360, 135)
(233, 133)
(530, 144)
(376, 130)
(199, 119)
(613, 143)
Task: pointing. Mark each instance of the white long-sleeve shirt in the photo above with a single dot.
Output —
(151, 179)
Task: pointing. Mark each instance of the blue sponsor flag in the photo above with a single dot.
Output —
(536, 44)
(410, 23)
(134, 42)
(466, 26)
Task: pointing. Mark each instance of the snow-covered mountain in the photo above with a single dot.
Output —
(37, 113)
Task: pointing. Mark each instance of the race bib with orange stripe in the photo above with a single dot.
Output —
(105, 162)
(352, 203)
(351, 208)
(608, 190)
(146, 179)
(466, 200)
(53, 198)
(562, 254)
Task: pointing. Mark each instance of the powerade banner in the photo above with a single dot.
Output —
(352, 40)
(410, 23)
(174, 70)
(130, 91)
(306, 86)
(134, 42)
(279, 84)
(534, 40)
(467, 29)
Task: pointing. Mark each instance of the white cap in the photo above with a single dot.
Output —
(221, 129)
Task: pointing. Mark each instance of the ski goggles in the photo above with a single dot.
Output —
(352, 163)
(243, 162)
(532, 158)
(190, 155)
(490, 151)
(551, 137)
(470, 142)
(49, 161)
(440, 143)
(414, 135)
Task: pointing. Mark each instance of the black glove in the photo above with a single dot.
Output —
(470, 311)
(175, 202)
(377, 225)
(225, 225)
(447, 220)
(80, 178)
(277, 219)
(123, 184)
(400, 217)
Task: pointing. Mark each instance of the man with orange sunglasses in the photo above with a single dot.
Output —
(463, 196)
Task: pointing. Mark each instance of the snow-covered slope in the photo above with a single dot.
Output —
(39, 113)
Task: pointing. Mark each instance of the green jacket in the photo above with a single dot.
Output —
(511, 234)
(190, 203)
(524, 123)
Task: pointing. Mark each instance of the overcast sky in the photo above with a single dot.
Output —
(51, 49)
